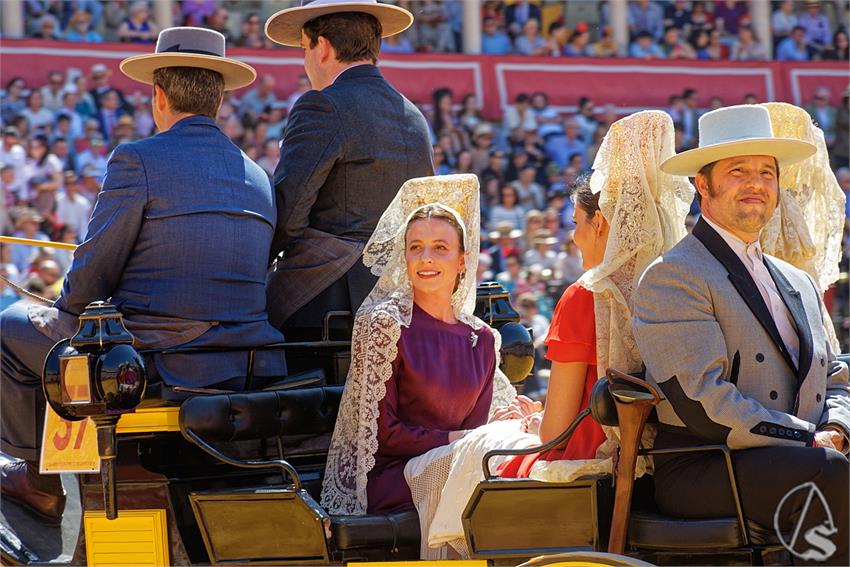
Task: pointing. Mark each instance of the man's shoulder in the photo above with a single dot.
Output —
(687, 258)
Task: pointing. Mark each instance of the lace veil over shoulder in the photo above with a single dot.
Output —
(377, 329)
(646, 209)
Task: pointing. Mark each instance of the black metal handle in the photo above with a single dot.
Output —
(537, 449)
(282, 464)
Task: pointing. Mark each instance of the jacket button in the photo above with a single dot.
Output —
(773, 394)
(797, 434)
(763, 429)
(818, 398)
(773, 431)
(759, 357)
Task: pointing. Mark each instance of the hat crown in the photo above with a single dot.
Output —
(199, 41)
(314, 3)
(734, 123)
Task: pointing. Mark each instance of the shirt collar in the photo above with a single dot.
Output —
(736, 244)
(347, 68)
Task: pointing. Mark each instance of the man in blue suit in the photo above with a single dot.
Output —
(178, 241)
(349, 145)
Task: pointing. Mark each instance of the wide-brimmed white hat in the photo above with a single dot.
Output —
(189, 47)
(743, 130)
(284, 27)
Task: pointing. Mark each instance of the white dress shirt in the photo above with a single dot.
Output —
(753, 258)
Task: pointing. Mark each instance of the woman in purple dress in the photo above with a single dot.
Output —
(423, 367)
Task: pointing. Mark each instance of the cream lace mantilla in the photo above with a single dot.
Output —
(646, 209)
(806, 227)
(377, 329)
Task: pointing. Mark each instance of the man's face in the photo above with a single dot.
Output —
(311, 61)
(110, 100)
(740, 194)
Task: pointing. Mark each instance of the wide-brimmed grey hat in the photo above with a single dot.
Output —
(284, 27)
(189, 47)
(743, 130)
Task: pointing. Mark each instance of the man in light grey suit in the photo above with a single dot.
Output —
(349, 145)
(736, 341)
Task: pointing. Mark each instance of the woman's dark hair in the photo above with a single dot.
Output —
(12, 81)
(508, 187)
(438, 96)
(42, 139)
(355, 36)
(583, 197)
(436, 212)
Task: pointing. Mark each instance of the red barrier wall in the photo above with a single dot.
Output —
(629, 84)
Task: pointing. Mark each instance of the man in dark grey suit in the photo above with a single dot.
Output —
(178, 242)
(736, 340)
(348, 147)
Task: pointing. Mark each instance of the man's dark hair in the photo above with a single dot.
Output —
(355, 36)
(191, 90)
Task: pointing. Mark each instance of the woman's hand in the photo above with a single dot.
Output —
(455, 435)
(531, 423)
(519, 408)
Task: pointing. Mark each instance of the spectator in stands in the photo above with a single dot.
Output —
(644, 47)
(578, 45)
(793, 47)
(123, 132)
(508, 211)
(676, 14)
(558, 37)
(674, 47)
(218, 21)
(79, 28)
(444, 119)
(563, 141)
(142, 115)
(470, 114)
(840, 50)
(568, 266)
(252, 33)
(398, 43)
(518, 13)
(86, 106)
(69, 110)
(138, 27)
(110, 112)
(92, 177)
(48, 27)
(701, 18)
(540, 252)
(72, 208)
(504, 246)
(530, 42)
(646, 17)
(301, 87)
(95, 154)
(13, 154)
(51, 93)
(27, 225)
(748, 48)
(520, 117)
(586, 118)
(817, 26)
(495, 169)
(38, 117)
(482, 142)
(433, 32)
(783, 21)
(690, 116)
(494, 41)
(531, 194)
(440, 165)
(255, 101)
(62, 150)
(716, 102)
(839, 154)
(823, 113)
(13, 101)
(716, 49)
(41, 163)
(195, 12)
(100, 76)
(729, 15)
(271, 155)
(606, 46)
(699, 41)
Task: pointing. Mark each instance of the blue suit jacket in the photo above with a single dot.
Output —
(179, 240)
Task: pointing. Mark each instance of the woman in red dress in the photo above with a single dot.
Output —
(572, 349)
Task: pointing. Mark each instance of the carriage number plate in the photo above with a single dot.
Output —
(68, 446)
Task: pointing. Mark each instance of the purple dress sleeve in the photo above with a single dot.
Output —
(397, 438)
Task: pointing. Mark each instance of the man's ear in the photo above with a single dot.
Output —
(326, 50)
(701, 184)
(159, 99)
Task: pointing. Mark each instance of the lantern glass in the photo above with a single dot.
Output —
(76, 388)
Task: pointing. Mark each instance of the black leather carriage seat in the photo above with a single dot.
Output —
(298, 412)
(651, 530)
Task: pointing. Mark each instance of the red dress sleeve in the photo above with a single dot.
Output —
(572, 334)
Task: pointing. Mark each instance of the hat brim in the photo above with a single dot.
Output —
(785, 150)
(236, 74)
(284, 27)
(513, 233)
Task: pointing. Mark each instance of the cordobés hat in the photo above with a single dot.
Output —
(189, 47)
(741, 130)
(284, 27)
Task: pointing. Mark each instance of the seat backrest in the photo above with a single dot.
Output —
(259, 415)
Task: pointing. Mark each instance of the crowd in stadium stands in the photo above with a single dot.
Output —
(57, 137)
(658, 29)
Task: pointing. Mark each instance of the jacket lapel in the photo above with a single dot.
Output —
(743, 282)
(794, 303)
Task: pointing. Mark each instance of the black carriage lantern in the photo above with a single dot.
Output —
(96, 373)
(493, 306)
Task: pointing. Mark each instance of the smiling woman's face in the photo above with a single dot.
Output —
(434, 256)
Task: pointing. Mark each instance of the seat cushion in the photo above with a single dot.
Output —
(389, 531)
(648, 530)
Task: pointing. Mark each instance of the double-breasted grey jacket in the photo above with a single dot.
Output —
(709, 342)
